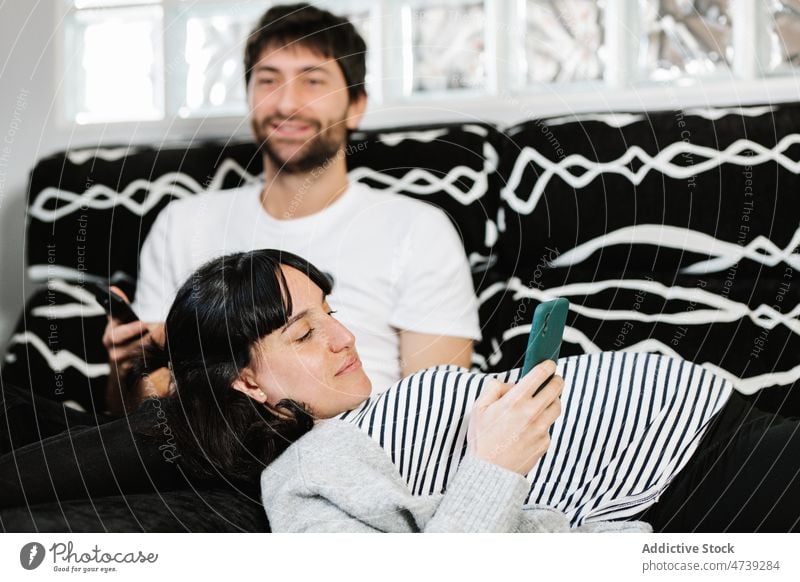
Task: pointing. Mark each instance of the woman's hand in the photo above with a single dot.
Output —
(509, 427)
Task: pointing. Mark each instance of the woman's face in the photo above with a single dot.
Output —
(311, 360)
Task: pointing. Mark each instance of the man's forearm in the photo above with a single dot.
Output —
(421, 350)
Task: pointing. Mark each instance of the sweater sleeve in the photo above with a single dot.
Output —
(336, 479)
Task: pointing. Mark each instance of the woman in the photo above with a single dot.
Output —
(259, 362)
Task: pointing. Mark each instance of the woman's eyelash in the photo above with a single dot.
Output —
(310, 332)
(332, 312)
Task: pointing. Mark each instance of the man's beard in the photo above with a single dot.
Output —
(315, 153)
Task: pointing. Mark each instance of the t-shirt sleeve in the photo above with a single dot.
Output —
(435, 293)
(157, 283)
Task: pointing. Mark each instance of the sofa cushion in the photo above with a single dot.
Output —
(745, 333)
(675, 191)
(604, 208)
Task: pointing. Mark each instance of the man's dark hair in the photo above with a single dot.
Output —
(318, 30)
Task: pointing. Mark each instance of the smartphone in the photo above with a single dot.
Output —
(547, 328)
(114, 305)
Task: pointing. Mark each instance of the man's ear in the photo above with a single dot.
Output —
(247, 385)
(355, 110)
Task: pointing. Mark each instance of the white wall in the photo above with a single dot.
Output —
(26, 88)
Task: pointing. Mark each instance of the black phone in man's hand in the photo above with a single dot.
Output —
(114, 305)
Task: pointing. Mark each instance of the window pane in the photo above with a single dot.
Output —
(444, 46)
(213, 51)
(362, 14)
(563, 40)
(110, 3)
(784, 33)
(367, 25)
(118, 54)
(685, 37)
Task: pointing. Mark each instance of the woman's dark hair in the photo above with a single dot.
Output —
(216, 319)
(329, 35)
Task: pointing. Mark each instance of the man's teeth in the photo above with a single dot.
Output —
(291, 127)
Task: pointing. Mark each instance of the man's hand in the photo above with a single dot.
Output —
(422, 350)
(124, 343)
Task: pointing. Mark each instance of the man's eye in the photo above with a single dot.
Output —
(314, 81)
(306, 336)
(266, 81)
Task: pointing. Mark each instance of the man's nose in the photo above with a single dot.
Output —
(289, 98)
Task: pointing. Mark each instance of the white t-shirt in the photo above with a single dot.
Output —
(397, 263)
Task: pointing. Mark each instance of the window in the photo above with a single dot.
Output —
(150, 60)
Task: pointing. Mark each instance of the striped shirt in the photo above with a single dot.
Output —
(630, 423)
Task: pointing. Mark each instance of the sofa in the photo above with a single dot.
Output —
(668, 231)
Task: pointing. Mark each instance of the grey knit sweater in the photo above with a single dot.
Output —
(337, 479)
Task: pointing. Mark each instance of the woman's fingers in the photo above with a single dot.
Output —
(549, 392)
(493, 390)
(510, 426)
(533, 380)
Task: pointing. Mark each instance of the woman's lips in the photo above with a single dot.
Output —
(351, 364)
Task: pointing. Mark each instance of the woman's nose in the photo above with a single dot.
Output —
(339, 336)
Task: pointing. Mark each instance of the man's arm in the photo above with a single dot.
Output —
(437, 311)
(422, 350)
(125, 342)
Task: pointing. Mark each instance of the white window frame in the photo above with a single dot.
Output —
(504, 101)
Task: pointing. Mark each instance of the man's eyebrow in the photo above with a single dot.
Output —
(265, 69)
(294, 319)
(301, 71)
(315, 69)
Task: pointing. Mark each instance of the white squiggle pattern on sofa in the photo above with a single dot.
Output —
(623, 119)
(417, 181)
(423, 182)
(62, 359)
(394, 139)
(708, 308)
(718, 112)
(718, 308)
(101, 197)
(610, 119)
(760, 249)
(86, 306)
(661, 162)
(79, 157)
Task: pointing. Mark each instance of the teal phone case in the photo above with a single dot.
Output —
(547, 328)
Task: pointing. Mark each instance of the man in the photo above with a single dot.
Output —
(401, 279)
